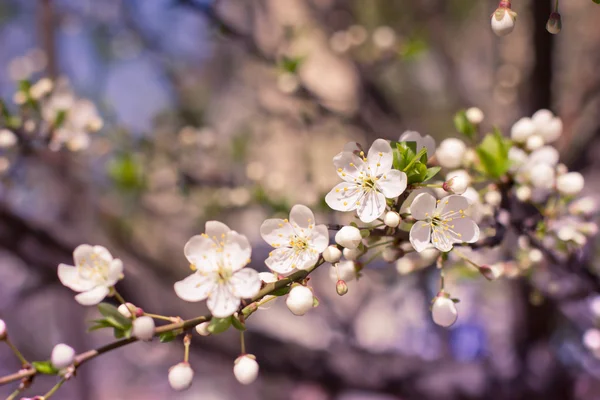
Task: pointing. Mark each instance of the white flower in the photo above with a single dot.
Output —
(426, 141)
(348, 237)
(457, 181)
(7, 139)
(441, 222)
(547, 125)
(570, 184)
(368, 181)
(3, 333)
(299, 300)
(245, 369)
(451, 152)
(202, 328)
(94, 273)
(584, 206)
(503, 21)
(444, 311)
(219, 255)
(143, 328)
(542, 176)
(297, 242)
(332, 254)
(181, 376)
(474, 115)
(522, 129)
(352, 254)
(534, 142)
(391, 219)
(523, 193)
(62, 356)
(344, 270)
(125, 310)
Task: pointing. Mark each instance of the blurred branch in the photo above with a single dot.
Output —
(47, 35)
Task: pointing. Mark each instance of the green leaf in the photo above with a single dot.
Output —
(290, 64)
(493, 154)
(126, 172)
(218, 325)
(113, 316)
(463, 125)
(431, 172)
(167, 337)
(44, 367)
(237, 324)
(417, 173)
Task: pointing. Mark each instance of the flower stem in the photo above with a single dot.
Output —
(158, 316)
(54, 389)
(17, 352)
(242, 342)
(14, 394)
(414, 160)
(187, 341)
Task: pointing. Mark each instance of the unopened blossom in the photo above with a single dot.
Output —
(348, 237)
(94, 273)
(443, 311)
(368, 180)
(297, 241)
(493, 198)
(441, 223)
(3, 333)
(534, 142)
(7, 139)
(143, 328)
(503, 19)
(181, 376)
(570, 183)
(300, 300)
(62, 356)
(219, 257)
(522, 130)
(332, 254)
(457, 181)
(245, 369)
(554, 24)
(341, 287)
(584, 206)
(547, 125)
(202, 328)
(474, 115)
(422, 142)
(352, 254)
(126, 309)
(450, 153)
(391, 219)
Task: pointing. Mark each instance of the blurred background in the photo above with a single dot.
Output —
(232, 110)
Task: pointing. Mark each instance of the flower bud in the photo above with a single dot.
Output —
(299, 300)
(457, 184)
(493, 198)
(584, 206)
(405, 266)
(450, 152)
(554, 23)
(125, 310)
(181, 376)
(503, 19)
(245, 368)
(332, 254)
(202, 328)
(341, 288)
(522, 129)
(3, 333)
(570, 183)
(391, 219)
(542, 176)
(348, 237)
(534, 142)
(352, 254)
(523, 193)
(591, 339)
(535, 255)
(474, 115)
(143, 328)
(62, 356)
(490, 272)
(7, 139)
(444, 311)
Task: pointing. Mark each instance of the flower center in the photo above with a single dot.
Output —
(298, 243)
(94, 268)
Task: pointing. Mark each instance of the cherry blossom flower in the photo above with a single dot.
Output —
(368, 181)
(219, 257)
(441, 222)
(297, 241)
(94, 273)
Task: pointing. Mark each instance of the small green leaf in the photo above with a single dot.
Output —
(463, 125)
(44, 367)
(315, 302)
(493, 154)
(431, 172)
(290, 64)
(61, 115)
(417, 173)
(237, 324)
(167, 337)
(218, 325)
(113, 316)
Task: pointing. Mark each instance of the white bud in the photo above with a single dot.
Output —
(457, 181)
(522, 129)
(523, 193)
(570, 184)
(143, 328)
(332, 254)
(348, 237)
(344, 270)
(493, 198)
(517, 158)
(542, 176)
(245, 369)
(3, 333)
(588, 228)
(566, 233)
(534, 142)
(62, 356)
(181, 376)
(503, 21)
(591, 339)
(202, 328)
(595, 306)
(352, 254)
(391, 219)
(405, 266)
(7, 139)
(125, 310)
(450, 152)
(583, 206)
(299, 300)
(474, 115)
(444, 311)
(535, 256)
(547, 155)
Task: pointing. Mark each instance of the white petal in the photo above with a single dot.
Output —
(349, 165)
(195, 287)
(92, 297)
(267, 277)
(276, 232)
(115, 272)
(282, 260)
(216, 230)
(306, 259)
(222, 302)
(371, 207)
(319, 238)
(441, 240)
(420, 236)
(103, 253)
(392, 184)
(69, 276)
(453, 203)
(245, 283)
(301, 217)
(380, 157)
(343, 197)
(467, 228)
(200, 251)
(421, 141)
(237, 251)
(423, 206)
(82, 254)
